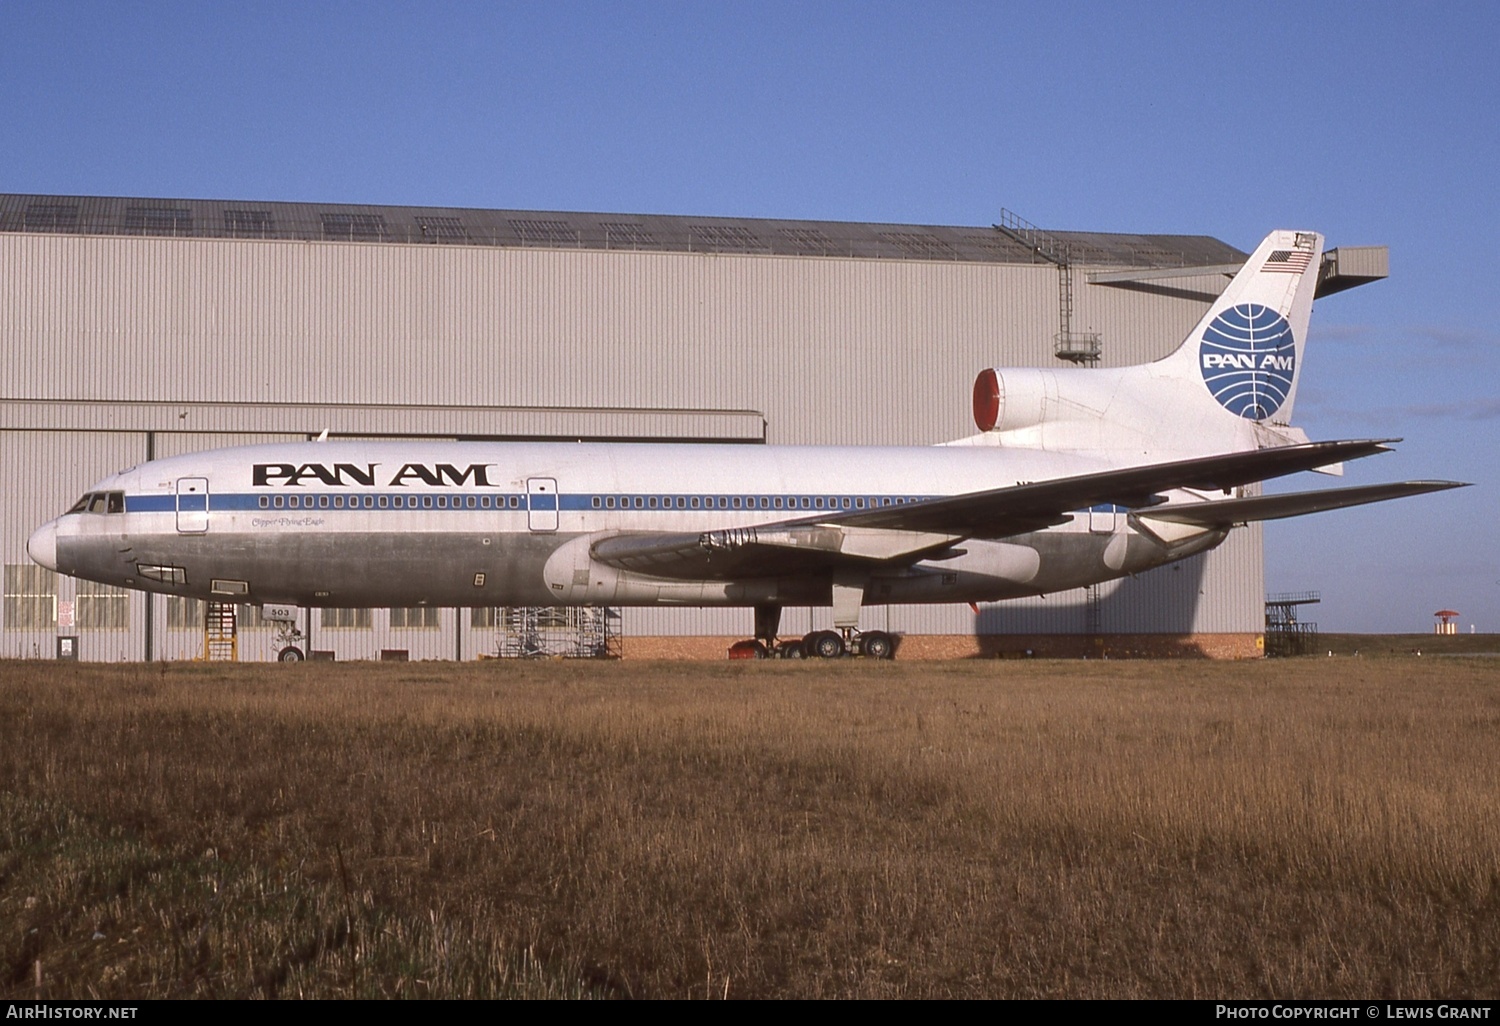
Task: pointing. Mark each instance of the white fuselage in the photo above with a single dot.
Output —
(494, 524)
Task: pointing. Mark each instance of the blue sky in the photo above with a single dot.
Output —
(1372, 123)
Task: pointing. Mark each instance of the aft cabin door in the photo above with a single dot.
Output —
(541, 503)
(192, 505)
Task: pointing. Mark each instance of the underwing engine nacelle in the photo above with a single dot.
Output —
(574, 577)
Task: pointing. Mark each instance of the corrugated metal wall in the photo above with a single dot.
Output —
(47, 471)
(834, 350)
(105, 334)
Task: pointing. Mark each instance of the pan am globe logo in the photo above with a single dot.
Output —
(1248, 358)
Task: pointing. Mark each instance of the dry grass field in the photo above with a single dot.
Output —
(1316, 827)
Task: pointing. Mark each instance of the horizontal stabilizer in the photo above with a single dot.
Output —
(1227, 512)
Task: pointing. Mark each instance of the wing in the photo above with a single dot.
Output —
(926, 529)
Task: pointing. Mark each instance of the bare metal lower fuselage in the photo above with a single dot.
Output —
(386, 569)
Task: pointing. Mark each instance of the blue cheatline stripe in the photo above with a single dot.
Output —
(457, 502)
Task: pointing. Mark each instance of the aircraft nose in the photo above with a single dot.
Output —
(42, 545)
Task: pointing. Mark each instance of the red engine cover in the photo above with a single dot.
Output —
(986, 399)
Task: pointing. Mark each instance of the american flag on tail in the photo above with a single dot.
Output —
(1288, 261)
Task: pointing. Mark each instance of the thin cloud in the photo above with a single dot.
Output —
(1454, 338)
(1468, 409)
(1342, 333)
(1444, 336)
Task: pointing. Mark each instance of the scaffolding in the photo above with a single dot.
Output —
(565, 632)
(1286, 635)
(221, 642)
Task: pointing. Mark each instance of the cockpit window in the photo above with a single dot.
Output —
(100, 502)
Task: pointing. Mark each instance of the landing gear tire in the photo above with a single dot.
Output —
(810, 645)
(789, 650)
(877, 645)
(290, 654)
(828, 645)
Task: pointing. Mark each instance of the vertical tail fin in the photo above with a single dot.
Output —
(1230, 385)
(1247, 349)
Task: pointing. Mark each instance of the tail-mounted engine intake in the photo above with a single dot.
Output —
(1013, 398)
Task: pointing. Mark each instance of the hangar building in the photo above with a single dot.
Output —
(141, 328)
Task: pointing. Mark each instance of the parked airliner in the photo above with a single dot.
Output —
(1077, 476)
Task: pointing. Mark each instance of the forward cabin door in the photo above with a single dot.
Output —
(541, 503)
(192, 505)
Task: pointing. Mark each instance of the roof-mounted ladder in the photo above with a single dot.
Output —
(1080, 347)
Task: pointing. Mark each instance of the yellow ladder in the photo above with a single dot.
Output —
(221, 641)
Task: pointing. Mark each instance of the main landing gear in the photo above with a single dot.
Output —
(834, 644)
